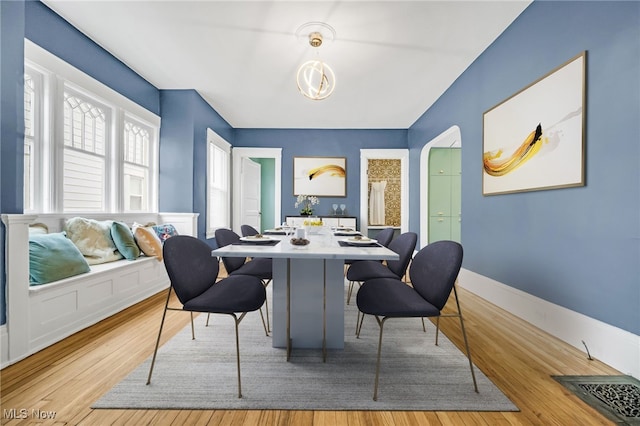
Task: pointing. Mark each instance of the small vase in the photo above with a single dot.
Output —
(306, 213)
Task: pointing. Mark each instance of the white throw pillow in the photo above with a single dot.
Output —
(93, 239)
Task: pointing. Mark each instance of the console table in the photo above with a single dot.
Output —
(346, 221)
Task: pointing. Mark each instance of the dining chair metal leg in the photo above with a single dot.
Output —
(352, 285)
(155, 351)
(237, 322)
(424, 328)
(193, 330)
(266, 308)
(375, 387)
(264, 325)
(464, 335)
(359, 324)
(349, 292)
(265, 283)
(466, 342)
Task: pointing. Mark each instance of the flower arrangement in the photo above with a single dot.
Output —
(307, 202)
(313, 226)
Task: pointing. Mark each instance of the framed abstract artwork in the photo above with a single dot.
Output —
(534, 140)
(320, 176)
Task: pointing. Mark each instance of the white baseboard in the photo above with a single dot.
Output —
(4, 342)
(615, 347)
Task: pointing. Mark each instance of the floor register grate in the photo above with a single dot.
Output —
(615, 397)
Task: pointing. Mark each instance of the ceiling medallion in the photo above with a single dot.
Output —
(315, 78)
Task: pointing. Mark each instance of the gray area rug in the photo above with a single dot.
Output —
(415, 374)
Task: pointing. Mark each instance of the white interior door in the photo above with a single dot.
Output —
(250, 191)
(239, 153)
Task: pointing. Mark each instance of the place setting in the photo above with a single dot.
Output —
(275, 231)
(279, 231)
(345, 232)
(359, 241)
(258, 239)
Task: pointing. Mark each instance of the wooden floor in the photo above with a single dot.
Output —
(65, 379)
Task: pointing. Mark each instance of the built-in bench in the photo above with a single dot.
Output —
(39, 316)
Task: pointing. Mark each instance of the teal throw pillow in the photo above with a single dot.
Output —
(125, 243)
(53, 257)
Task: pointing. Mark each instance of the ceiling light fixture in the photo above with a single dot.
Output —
(315, 78)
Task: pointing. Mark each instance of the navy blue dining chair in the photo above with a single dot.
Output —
(362, 270)
(384, 238)
(193, 274)
(433, 274)
(259, 267)
(248, 230)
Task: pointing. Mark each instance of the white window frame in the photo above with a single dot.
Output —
(152, 157)
(105, 156)
(36, 164)
(215, 143)
(56, 74)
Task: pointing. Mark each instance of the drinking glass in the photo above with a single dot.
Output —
(286, 228)
(342, 207)
(335, 209)
(332, 235)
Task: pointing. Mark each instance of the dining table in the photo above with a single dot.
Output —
(308, 288)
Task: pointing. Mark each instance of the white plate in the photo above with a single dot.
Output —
(347, 232)
(354, 241)
(281, 231)
(263, 239)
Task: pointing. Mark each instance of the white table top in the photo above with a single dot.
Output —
(321, 247)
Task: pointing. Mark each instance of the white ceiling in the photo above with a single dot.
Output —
(392, 59)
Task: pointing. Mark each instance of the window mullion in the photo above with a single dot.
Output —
(116, 160)
(56, 145)
(41, 120)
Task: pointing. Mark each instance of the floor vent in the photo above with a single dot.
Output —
(616, 397)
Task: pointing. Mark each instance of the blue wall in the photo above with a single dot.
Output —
(176, 151)
(11, 121)
(183, 152)
(318, 142)
(48, 30)
(575, 247)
